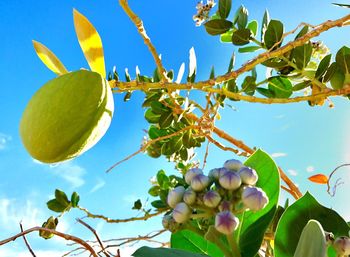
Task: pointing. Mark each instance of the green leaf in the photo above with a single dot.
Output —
(155, 132)
(323, 66)
(254, 224)
(249, 85)
(302, 55)
(330, 72)
(232, 63)
(265, 92)
(342, 5)
(55, 206)
(137, 205)
(217, 27)
(241, 37)
(242, 18)
(154, 191)
(226, 37)
(190, 241)
(248, 49)
(51, 223)
(281, 87)
(224, 8)
(343, 59)
(152, 117)
(301, 85)
(166, 119)
(75, 199)
(253, 26)
(338, 78)
(158, 204)
(302, 32)
(158, 108)
(62, 198)
(273, 34)
(265, 23)
(162, 179)
(164, 252)
(297, 215)
(275, 63)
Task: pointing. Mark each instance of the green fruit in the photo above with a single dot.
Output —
(67, 116)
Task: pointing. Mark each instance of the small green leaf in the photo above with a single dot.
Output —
(253, 26)
(323, 66)
(343, 59)
(342, 5)
(152, 117)
(248, 49)
(330, 72)
(127, 96)
(241, 37)
(224, 8)
(301, 85)
(232, 63)
(155, 132)
(265, 92)
(164, 252)
(158, 108)
(166, 119)
(226, 37)
(217, 27)
(281, 87)
(249, 85)
(302, 32)
(75, 199)
(154, 191)
(302, 55)
(265, 23)
(137, 205)
(158, 204)
(61, 197)
(273, 34)
(55, 206)
(51, 223)
(338, 78)
(242, 18)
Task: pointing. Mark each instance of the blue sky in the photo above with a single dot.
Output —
(307, 140)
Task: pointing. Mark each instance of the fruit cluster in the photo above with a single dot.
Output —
(222, 193)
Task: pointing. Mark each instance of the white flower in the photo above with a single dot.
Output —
(182, 212)
(189, 196)
(211, 199)
(175, 196)
(248, 176)
(191, 173)
(233, 164)
(199, 182)
(226, 222)
(230, 180)
(254, 198)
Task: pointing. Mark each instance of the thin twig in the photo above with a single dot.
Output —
(52, 231)
(337, 183)
(26, 241)
(206, 155)
(96, 235)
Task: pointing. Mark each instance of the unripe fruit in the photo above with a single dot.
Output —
(233, 165)
(182, 212)
(175, 196)
(189, 196)
(67, 116)
(254, 198)
(248, 176)
(226, 222)
(199, 182)
(230, 180)
(342, 246)
(211, 199)
(191, 173)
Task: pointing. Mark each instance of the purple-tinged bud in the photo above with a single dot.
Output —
(230, 181)
(191, 173)
(181, 213)
(199, 182)
(248, 176)
(254, 198)
(175, 196)
(225, 206)
(342, 246)
(211, 199)
(233, 165)
(190, 196)
(226, 222)
(214, 174)
(169, 223)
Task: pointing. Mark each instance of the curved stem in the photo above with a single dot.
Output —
(234, 247)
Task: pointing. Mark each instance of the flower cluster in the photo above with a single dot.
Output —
(203, 11)
(215, 197)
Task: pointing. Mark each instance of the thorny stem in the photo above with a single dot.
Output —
(52, 231)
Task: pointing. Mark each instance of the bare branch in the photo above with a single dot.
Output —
(26, 241)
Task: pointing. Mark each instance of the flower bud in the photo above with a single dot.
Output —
(189, 196)
(248, 176)
(254, 198)
(191, 173)
(199, 182)
(233, 165)
(175, 196)
(211, 199)
(342, 246)
(214, 174)
(226, 222)
(169, 223)
(182, 212)
(225, 206)
(230, 180)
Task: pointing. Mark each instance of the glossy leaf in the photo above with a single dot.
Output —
(281, 87)
(192, 66)
(302, 55)
(75, 199)
(224, 8)
(90, 42)
(302, 32)
(248, 49)
(241, 37)
(323, 66)
(301, 85)
(152, 117)
(49, 58)
(242, 18)
(265, 23)
(343, 59)
(319, 179)
(253, 26)
(330, 72)
(61, 197)
(254, 224)
(146, 251)
(166, 119)
(226, 37)
(217, 27)
(297, 215)
(249, 85)
(265, 92)
(273, 34)
(55, 206)
(338, 78)
(190, 241)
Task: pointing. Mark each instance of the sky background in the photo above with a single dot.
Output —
(304, 140)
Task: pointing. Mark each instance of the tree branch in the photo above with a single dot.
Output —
(26, 241)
